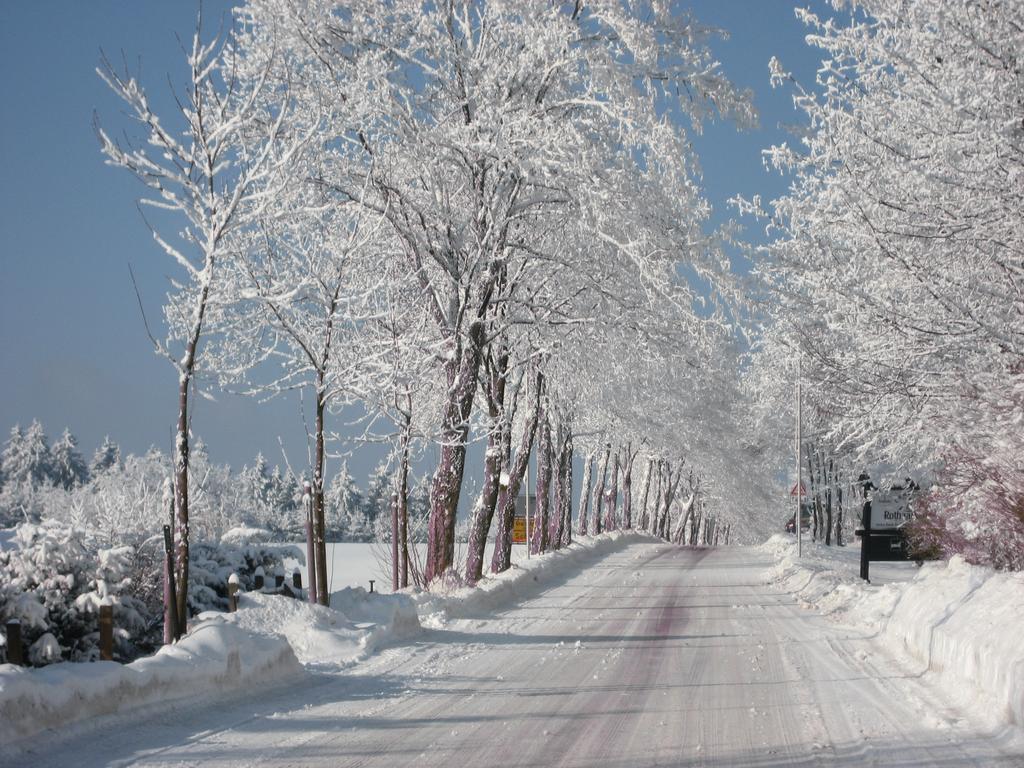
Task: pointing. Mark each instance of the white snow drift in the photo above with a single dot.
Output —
(962, 623)
(268, 641)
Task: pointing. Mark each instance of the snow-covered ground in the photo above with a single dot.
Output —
(624, 651)
(353, 565)
(959, 624)
(267, 641)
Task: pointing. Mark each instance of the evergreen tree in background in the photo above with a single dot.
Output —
(10, 459)
(107, 456)
(377, 503)
(26, 458)
(419, 510)
(346, 514)
(67, 463)
(255, 482)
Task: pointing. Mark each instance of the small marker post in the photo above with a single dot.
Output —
(14, 650)
(106, 630)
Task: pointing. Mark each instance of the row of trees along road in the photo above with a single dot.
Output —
(896, 273)
(450, 215)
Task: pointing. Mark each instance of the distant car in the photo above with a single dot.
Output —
(805, 520)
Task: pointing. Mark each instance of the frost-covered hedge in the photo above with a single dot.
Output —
(54, 577)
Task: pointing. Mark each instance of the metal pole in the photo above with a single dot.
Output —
(799, 464)
(528, 480)
(307, 500)
(527, 509)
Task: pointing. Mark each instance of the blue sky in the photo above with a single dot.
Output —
(73, 350)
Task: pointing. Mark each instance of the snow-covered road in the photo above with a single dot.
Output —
(656, 655)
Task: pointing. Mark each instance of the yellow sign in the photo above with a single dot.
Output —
(519, 530)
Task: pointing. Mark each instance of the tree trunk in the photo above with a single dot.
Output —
(687, 526)
(839, 515)
(495, 459)
(583, 512)
(319, 523)
(394, 541)
(828, 504)
(181, 458)
(543, 518)
(599, 491)
(181, 450)
(657, 499)
(557, 471)
(502, 557)
(642, 523)
(813, 496)
(403, 495)
(663, 517)
(483, 510)
(565, 489)
(819, 496)
(627, 489)
(611, 504)
(447, 483)
(181, 537)
(679, 534)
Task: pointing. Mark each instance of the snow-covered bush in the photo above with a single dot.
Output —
(977, 507)
(211, 565)
(54, 579)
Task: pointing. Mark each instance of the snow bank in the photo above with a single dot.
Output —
(268, 640)
(382, 619)
(216, 656)
(319, 635)
(964, 623)
(524, 578)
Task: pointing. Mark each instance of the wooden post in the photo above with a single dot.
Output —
(14, 653)
(106, 632)
(307, 498)
(259, 578)
(278, 578)
(297, 580)
(371, 584)
(232, 593)
(865, 542)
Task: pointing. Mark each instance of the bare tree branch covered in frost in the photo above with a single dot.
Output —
(898, 265)
(206, 175)
(522, 158)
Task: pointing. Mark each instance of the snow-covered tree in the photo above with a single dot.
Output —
(209, 173)
(346, 514)
(53, 579)
(26, 467)
(497, 140)
(897, 260)
(255, 481)
(26, 458)
(107, 456)
(67, 464)
(302, 277)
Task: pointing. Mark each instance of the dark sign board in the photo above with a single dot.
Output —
(883, 538)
